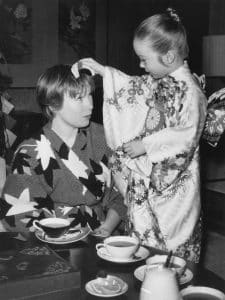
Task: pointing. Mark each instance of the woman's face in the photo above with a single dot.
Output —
(75, 112)
(150, 60)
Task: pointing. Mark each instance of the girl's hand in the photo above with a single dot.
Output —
(134, 148)
(92, 65)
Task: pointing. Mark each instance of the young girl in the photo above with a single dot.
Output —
(154, 123)
(62, 170)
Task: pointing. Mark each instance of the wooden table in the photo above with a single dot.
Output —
(83, 257)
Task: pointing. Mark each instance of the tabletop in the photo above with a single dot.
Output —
(82, 256)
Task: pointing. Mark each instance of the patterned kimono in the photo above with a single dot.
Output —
(49, 178)
(162, 187)
(215, 120)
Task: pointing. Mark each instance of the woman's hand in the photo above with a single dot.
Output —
(101, 231)
(90, 64)
(110, 223)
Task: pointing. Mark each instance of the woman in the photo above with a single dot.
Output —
(63, 170)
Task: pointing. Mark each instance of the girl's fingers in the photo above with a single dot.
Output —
(87, 63)
(126, 147)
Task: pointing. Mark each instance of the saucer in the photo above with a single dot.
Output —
(202, 291)
(141, 254)
(139, 273)
(67, 238)
(110, 286)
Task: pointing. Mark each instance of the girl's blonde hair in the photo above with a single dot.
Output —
(165, 32)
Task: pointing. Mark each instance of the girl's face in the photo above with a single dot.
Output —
(75, 112)
(150, 60)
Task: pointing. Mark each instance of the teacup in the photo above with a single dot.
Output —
(52, 227)
(177, 264)
(121, 247)
(201, 293)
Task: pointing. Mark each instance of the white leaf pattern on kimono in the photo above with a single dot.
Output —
(25, 220)
(44, 151)
(27, 170)
(88, 210)
(84, 190)
(35, 214)
(21, 204)
(75, 165)
(20, 237)
(65, 209)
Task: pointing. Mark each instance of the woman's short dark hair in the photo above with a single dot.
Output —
(55, 82)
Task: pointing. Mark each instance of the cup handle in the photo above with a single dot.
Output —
(99, 245)
(35, 224)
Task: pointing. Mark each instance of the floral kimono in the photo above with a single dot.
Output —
(49, 178)
(215, 121)
(162, 187)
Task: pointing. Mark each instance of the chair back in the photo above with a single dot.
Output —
(2, 174)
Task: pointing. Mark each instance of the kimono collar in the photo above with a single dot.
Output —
(180, 72)
(57, 142)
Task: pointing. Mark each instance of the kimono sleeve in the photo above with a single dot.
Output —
(215, 120)
(114, 200)
(124, 107)
(24, 197)
(112, 197)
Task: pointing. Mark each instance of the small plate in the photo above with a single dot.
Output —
(110, 286)
(203, 291)
(66, 238)
(141, 254)
(139, 273)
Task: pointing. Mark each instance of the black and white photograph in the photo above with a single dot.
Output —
(112, 149)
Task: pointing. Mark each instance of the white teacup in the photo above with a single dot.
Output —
(177, 264)
(201, 292)
(53, 227)
(120, 247)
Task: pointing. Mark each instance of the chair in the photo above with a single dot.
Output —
(2, 173)
(2, 182)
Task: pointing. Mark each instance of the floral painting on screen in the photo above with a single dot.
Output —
(15, 31)
(76, 28)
